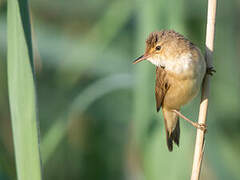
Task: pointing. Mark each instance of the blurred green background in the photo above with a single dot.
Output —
(96, 110)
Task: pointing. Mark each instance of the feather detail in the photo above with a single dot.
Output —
(161, 87)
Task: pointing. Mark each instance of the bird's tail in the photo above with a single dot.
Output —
(172, 127)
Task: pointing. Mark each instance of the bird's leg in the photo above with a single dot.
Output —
(210, 70)
(203, 127)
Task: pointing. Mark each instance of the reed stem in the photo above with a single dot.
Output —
(200, 138)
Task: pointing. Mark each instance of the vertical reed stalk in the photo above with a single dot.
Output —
(199, 146)
(21, 89)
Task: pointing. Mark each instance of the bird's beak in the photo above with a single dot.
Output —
(141, 58)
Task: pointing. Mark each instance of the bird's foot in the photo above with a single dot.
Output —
(210, 71)
(200, 126)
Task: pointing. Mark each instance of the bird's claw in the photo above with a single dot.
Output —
(202, 126)
(210, 70)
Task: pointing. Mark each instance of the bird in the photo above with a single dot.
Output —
(180, 70)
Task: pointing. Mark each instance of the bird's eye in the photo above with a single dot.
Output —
(158, 48)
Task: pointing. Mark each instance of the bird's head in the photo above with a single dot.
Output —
(164, 47)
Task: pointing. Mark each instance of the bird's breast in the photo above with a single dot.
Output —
(185, 81)
(184, 64)
(179, 65)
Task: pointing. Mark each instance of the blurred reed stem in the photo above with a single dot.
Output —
(144, 72)
(22, 91)
(84, 99)
(102, 33)
(175, 15)
(143, 105)
(117, 15)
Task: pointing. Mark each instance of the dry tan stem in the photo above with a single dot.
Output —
(199, 146)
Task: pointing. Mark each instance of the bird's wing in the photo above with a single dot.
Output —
(161, 86)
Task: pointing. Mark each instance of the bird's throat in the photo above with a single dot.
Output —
(178, 65)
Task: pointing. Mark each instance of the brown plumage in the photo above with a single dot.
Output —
(179, 74)
(161, 89)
